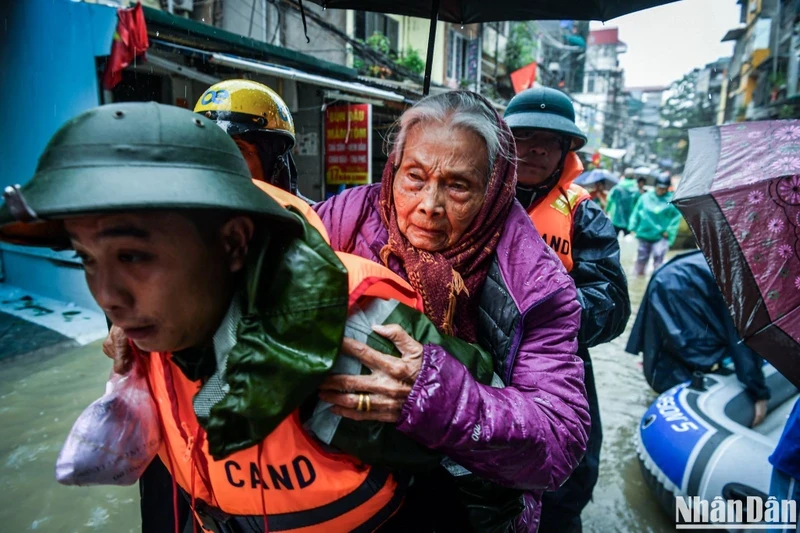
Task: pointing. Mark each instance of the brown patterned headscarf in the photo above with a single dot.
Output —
(450, 281)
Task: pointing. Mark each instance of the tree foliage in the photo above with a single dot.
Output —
(521, 47)
(412, 61)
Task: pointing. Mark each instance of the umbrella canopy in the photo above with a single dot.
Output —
(472, 11)
(595, 176)
(740, 194)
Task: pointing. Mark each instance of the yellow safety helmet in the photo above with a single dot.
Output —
(241, 106)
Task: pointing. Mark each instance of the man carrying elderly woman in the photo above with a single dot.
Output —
(444, 219)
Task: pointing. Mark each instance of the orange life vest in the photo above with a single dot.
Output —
(552, 215)
(289, 477)
(286, 199)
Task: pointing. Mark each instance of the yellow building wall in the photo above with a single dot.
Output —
(759, 56)
(414, 34)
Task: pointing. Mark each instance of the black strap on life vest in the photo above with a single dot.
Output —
(217, 521)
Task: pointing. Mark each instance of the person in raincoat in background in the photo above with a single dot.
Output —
(584, 239)
(683, 325)
(655, 222)
(621, 200)
(599, 195)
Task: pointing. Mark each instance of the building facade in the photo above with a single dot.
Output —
(601, 105)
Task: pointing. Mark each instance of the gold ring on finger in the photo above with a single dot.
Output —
(367, 407)
(360, 402)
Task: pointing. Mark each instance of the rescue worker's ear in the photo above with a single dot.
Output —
(236, 235)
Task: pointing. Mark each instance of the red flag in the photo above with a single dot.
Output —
(130, 41)
(524, 78)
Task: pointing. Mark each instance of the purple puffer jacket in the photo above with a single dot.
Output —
(531, 434)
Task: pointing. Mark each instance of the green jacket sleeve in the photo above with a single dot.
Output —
(674, 224)
(611, 205)
(634, 221)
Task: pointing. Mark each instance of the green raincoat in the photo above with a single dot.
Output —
(621, 201)
(294, 316)
(653, 215)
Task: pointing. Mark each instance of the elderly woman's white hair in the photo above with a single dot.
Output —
(457, 109)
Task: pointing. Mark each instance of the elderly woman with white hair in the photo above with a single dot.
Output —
(444, 218)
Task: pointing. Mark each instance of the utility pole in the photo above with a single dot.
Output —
(480, 58)
(497, 48)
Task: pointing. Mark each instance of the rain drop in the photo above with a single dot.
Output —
(157, 34)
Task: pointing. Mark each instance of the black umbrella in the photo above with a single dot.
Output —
(473, 11)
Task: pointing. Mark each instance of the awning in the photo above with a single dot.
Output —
(734, 34)
(175, 68)
(613, 153)
(298, 75)
(191, 33)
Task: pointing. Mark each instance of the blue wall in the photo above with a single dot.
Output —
(47, 74)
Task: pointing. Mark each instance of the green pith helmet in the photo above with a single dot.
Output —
(131, 157)
(543, 108)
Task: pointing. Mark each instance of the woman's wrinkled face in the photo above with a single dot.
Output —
(155, 276)
(440, 185)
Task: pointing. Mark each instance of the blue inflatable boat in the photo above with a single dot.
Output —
(695, 439)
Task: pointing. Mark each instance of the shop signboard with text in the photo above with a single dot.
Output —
(348, 144)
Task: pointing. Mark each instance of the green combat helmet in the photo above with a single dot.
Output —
(132, 156)
(548, 109)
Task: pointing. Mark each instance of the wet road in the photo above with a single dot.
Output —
(622, 501)
(41, 397)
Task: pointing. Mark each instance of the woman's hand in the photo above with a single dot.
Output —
(382, 393)
(116, 347)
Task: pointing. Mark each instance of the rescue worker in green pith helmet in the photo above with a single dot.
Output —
(582, 236)
(260, 123)
(197, 263)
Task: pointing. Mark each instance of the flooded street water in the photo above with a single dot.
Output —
(622, 501)
(40, 398)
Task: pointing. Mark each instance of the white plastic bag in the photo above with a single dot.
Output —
(115, 438)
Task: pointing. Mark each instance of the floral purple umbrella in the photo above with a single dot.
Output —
(740, 195)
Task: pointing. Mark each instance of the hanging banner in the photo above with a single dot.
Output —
(348, 144)
(524, 78)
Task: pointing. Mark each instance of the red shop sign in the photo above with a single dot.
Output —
(348, 144)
